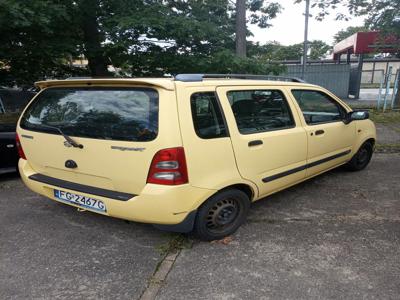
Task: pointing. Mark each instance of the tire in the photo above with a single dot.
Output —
(221, 215)
(362, 158)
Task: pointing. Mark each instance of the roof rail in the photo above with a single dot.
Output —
(200, 77)
(78, 77)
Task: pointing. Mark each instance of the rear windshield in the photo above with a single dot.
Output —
(125, 114)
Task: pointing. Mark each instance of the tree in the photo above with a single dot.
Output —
(89, 13)
(38, 39)
(33, 41)
(261, 12)
(241, 28)
(274, 51)
(349, 31)
(318, 49)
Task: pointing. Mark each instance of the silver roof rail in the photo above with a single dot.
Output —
(200, 77)
(78, 77)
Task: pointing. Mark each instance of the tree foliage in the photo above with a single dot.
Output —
(274, 51)
(383, 15)
(31, 45)
(39, 39)
(349, 31)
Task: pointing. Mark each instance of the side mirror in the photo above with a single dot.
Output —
(356, 115)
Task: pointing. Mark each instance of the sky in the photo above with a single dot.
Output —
(288, 26)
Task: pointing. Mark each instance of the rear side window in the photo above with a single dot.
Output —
(318, 107)
(260, 110)
(207, 117)
(125, 114)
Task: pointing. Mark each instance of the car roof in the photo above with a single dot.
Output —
(167, 83)
(244, 82)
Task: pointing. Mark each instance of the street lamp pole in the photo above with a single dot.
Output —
(305, 46)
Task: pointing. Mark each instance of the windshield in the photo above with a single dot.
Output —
(126, 114)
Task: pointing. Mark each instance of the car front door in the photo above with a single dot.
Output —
(269, 142)
(330, 139)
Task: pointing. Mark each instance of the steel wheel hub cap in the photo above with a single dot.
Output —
(362, 156)
(223, 213)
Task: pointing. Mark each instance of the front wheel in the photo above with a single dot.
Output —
(362, 158)
(221, 215)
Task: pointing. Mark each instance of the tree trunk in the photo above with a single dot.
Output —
(241, 28)
(94, 53)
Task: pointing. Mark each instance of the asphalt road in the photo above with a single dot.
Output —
(50, 250)
(333, 237)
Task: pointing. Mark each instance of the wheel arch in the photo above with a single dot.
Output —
(370, 140)
(245, 188)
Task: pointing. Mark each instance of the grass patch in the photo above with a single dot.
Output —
(175, 242)
(387, 148)
(390, 116)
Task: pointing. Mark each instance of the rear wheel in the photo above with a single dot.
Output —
(221, 215)
(362, 158)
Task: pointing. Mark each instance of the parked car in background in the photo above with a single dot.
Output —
(189, 153)
(12, 102)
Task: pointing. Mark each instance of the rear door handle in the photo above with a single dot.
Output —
(318, 132)
(255, 143)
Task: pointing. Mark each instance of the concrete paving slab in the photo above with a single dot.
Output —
(373, 94)
(51, 251)
(333, 237)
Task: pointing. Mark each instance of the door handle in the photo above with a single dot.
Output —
(318, 132)
(255, 143)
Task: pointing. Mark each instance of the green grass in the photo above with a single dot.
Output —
(175, 242)
(388, 148)
(390, 116)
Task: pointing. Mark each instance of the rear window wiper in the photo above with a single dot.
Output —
(66, 137)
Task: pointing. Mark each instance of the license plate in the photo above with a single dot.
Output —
(83, 201)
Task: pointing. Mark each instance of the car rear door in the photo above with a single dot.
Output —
(208, 148)
(329, 138)
(269, 142)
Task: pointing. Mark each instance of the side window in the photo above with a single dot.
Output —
(260, 110)
(207, 117)
(317, 107)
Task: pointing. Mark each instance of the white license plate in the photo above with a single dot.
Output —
(83, 201)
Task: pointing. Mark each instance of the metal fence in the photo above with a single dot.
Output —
(334, 78)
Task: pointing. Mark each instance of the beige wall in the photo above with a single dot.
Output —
(377, 74)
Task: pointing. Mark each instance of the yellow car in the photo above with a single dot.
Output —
(188, 153)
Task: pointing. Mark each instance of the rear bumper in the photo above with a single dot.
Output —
(170, 207)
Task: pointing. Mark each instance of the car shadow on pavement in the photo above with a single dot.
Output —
(9, 176)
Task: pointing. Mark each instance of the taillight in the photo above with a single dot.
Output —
(168, 167)
(19, 147)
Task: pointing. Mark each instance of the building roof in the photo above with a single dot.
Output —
(365, 42)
